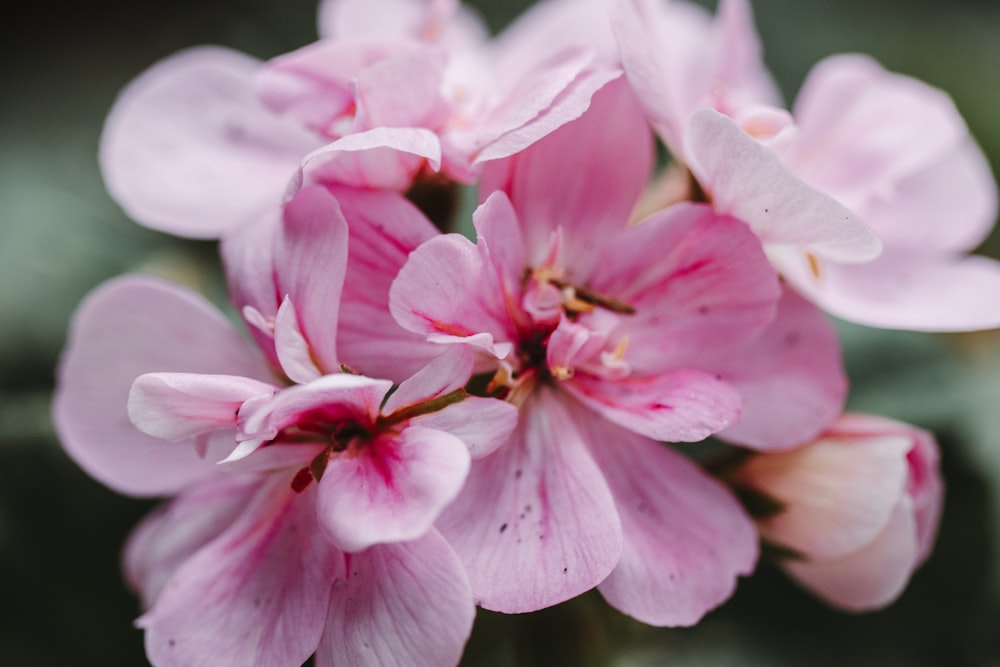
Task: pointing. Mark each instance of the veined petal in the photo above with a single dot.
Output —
(178, 406)
(679, 406)
(401, 605)
(747, 180)
(187, 149)
(687, 539)
(291, 347)
(868, 579)
(392, 490)
(125, 328)
(310, 264)
(256, 595)
(535, 523)
(483, 424)
(448, 287)
(445, 22)
(402, 91)
(696, 280)
(177, 529)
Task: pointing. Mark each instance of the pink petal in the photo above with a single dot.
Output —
(678, 406)
(610, 153)
(863, 129)
(446, 22)
(256, 595)
(747, 180)
(125, 328)
(868, 579)
(403, 91)
(535, 523)
(176, 530)
(483, 424)
(310, 264)
(291, 347)
(838, 492)
(178, 406)
(384, 228)
(402, 605)
(697, 281)
(687, 539)
(448, 372)
(903, 289)
(448, 286)
(385, 158)
(393, 490)
(187, 149)
(341, 396)
(791, 378)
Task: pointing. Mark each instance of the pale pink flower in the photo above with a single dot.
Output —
(857, 509)
(865, 153)
(610, 337)
(303, 517)
(706, 90)
(209, 140)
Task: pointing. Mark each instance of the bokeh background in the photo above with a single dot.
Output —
(62, 601)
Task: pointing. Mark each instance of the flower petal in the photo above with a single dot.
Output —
(384, 228)
(392, 490)
(610, 148)
(483, 424)
(535, 523)
(256, 595)
(385, 158)
(178, 406)
(125, 328)
(446, 373)
(310, 264)
(678, 406)
(838, 492)
(176, 530)
(402, 605)
(187, 149)
(868, 579)
(791, 378)
(747, 180)
(686, 537)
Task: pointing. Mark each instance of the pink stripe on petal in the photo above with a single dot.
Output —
(677, 406)
(256, 595)
(393, 489)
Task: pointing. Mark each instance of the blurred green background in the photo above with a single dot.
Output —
(61, 598)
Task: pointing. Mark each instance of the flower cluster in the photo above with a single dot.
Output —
(419, 422)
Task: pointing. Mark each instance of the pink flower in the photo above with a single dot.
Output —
(209, 140)
(303, 515)
(609, 337)
(865, 153)
(858, 508)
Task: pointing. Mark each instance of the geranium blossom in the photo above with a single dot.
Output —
(608, 337)
(857, 510)
(302, 513)
(863, 148)
(209, 140)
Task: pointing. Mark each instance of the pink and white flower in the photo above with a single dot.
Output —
(608, 337)
(857, 508)
(303, 515)
(209, 140)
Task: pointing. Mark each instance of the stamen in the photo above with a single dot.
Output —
(561, 372)
(814, 265)
(619, 352)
